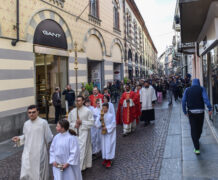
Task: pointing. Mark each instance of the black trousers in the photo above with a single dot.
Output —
(196, 122)
(57, 113)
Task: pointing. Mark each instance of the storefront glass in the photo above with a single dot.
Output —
(51, 72)
(95, 73)
(210, 74)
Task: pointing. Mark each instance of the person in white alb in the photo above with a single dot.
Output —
(65, 153)
(147, 99)
(108, 139)
(81, 120)
(35, 138)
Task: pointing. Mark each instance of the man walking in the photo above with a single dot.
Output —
(56, 99)
(171, 91)
(126, 107)
(36, 136)
(147, 99)
(69, 97)
(81, 120)
(194, 99)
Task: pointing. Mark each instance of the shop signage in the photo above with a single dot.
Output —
(55, 2)
(49, 33)
(46, 33)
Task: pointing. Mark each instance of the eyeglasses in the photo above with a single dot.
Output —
(31, 112)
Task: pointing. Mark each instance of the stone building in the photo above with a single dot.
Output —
(37, 40)
(141, 53)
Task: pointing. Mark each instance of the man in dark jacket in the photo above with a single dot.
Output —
(69, 96)
(56, 99)
(194, 99)
(171, 91)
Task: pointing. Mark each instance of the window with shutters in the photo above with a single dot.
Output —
(135, 33)
(94, 8)
(116, 16)
(128, 25)
(94, 12)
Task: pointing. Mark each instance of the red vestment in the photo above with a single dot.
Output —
(93, 99)
(137, 106)
(128, 113)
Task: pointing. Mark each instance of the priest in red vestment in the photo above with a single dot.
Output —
(96, 95)
(126, 110)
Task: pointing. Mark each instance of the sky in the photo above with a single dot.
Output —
(158, 16)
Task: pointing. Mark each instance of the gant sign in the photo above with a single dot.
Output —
(50, 34)
(46, 33)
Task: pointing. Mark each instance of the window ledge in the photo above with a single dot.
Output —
(94, 19)
(117, 31)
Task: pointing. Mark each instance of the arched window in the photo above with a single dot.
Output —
(116, 16)
(94, 8)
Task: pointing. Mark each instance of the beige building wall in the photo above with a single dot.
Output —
(97, 40)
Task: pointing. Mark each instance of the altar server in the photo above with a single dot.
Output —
(65, 153)
(108, 136)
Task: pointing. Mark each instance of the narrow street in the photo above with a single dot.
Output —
(138, 156)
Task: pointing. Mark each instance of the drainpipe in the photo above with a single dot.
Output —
(14, 41)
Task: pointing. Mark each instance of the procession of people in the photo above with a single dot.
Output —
(89, 130)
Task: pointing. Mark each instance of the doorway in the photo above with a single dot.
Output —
(51, 72)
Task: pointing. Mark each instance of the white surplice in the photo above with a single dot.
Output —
(108, 140)
(147, 96)
(36, 136)
(65, 149)
(85, 115)
(96, 132)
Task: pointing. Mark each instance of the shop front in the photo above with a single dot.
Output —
(51, 65)
(208, 50)
(210, 78)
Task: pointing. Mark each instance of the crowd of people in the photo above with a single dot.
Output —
(90, 128)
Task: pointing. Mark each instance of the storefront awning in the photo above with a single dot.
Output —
(193, 14)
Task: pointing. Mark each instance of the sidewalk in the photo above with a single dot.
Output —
(179, 161)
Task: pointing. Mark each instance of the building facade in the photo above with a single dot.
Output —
(140, 52)
(37, 52)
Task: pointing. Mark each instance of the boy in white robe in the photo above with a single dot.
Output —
(111, 106)
(108, 140)
(65, 153)
(95, 132)
(81, 121)
(35, 138)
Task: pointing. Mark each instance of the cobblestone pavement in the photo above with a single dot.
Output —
(138, 156)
